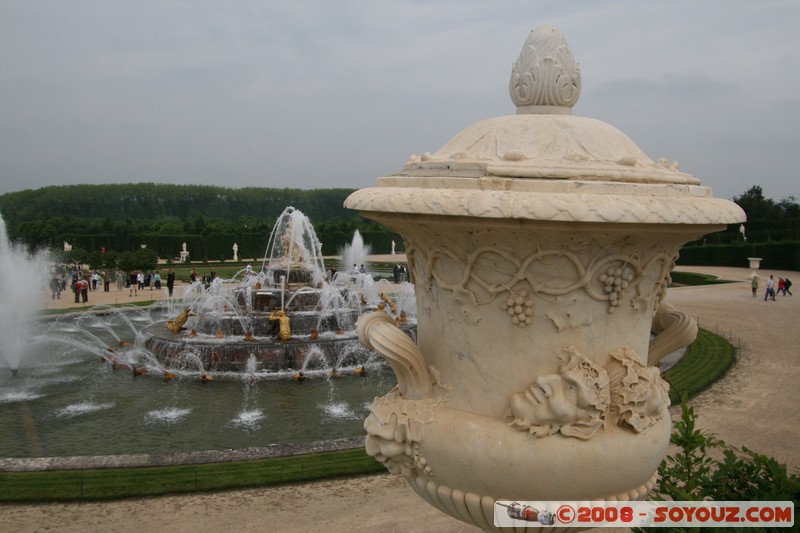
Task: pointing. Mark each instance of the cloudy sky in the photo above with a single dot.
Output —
(336, 93)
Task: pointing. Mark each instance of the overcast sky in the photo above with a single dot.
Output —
(337, 93)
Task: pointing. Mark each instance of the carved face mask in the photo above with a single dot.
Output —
(570, 402)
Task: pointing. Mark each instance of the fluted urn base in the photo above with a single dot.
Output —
(462, 463)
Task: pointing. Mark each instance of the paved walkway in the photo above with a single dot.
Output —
(112, 297)
(755, 405)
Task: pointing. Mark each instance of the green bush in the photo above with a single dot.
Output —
(693, 474)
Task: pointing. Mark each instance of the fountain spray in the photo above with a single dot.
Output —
(23, 276)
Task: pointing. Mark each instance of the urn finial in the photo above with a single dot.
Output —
(545, 79)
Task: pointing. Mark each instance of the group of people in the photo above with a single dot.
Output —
(400, 273)
(138, 281)
(783, 285)
(205, 279)
(80, 282)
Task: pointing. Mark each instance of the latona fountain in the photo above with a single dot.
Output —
(541, 245)
(217, 382)
(286, 315)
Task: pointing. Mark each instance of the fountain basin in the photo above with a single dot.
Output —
(82, 407)
(263, 354)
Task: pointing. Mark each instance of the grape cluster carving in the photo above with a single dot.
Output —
(606, 278)
(519, 308)
(615, 280)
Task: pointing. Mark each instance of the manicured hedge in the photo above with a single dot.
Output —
(783, 255)
(220, 246)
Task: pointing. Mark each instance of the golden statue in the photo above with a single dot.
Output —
(177, 324)
(285, 331)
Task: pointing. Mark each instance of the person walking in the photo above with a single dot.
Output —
(73, 287)
(82, 287)
(157, 280)
(770, 289)
(55, 286)
(787, 284)
(133, 283)
(754, 285)
(170, 281)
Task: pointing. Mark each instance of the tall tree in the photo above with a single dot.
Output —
(755, 206)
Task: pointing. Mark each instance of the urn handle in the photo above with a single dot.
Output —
(674, 330)
(378, 332)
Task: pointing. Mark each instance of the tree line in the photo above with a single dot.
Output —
(771, 232)
(767, 220)
(124, 217)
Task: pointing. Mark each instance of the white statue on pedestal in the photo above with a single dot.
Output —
(235, 252)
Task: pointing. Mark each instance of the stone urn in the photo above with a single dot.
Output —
(540, 245)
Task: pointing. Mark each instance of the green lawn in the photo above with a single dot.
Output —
(693, 278)
(706, 360)
(112, 483)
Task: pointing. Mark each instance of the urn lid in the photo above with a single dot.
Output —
(545, 163)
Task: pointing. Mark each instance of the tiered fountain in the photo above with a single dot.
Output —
(541, 245)
(286, 315)
(65, 398)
